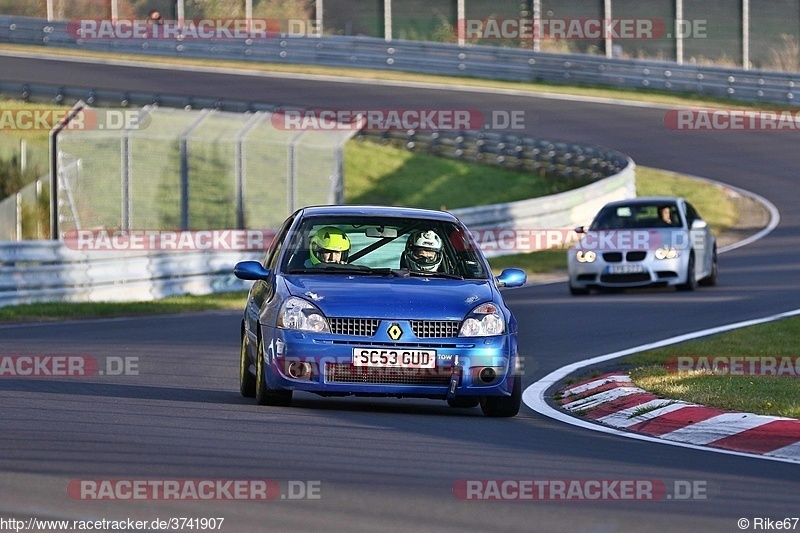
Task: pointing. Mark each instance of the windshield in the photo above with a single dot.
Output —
(382, 245)
(637, 216)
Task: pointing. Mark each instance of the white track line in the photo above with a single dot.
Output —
(535, 395)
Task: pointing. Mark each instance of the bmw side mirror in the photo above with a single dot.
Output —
(512, 277)
(250, 270)
(580, 229)
(699, 223)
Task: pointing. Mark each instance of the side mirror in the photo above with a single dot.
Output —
(250, 270)
(699, 223)
(512, 277)
(580, 229)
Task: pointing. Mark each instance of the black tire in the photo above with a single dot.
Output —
(711, 280)
(247, 381)
(691, 279)
(503, 406)
(578, 291)
(464, 402)
(265, 395)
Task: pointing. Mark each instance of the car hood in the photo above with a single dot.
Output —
(389, 297)
(633, 239)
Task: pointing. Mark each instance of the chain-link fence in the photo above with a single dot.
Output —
(763, 33)
(180, 169)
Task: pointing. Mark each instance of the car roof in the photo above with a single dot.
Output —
(647, 200)
(375, 210)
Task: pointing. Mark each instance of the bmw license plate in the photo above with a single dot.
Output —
(625, 269)
(394, 358)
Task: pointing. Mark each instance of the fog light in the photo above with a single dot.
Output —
(487, 375)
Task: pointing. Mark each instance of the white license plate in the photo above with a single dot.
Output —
(394, 357)
(625, 269)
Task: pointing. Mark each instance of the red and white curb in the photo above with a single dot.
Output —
(780, 431)
(613, 400)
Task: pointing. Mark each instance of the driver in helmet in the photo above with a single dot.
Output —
(329, 245)
(423, 251)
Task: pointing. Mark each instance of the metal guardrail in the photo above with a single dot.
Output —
(439, 58)
(43, 271)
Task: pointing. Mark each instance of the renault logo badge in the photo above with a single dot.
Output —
(394, 331)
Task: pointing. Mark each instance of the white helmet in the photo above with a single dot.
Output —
(424, 250)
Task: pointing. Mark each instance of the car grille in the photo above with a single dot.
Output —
(347, 373)
(426, 329)
(357, 327)
(612, 257)
(636, 256)
(625, 278)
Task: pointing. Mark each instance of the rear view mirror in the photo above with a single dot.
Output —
(381, 233)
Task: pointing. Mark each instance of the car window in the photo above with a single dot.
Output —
(381, 243)
(274, 251)
(691, 214)
(637, 216)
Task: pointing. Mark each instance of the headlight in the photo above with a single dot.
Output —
(483, 321)
(301, 315)
(667, 252)
(586, 257)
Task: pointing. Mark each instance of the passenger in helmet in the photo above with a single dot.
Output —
(423, 251)
(329, 245)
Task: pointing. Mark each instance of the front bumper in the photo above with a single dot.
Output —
(647, 272)
(325, 363)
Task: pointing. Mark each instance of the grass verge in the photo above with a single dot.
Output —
(384, 175)
(767, 395)
(43, 312)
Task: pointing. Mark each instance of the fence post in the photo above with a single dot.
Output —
(679, 32)
(184, 155)
(746, 34)
(18, 215)
(77, 108)
(318, 8)
(387, 22)
(125, 177)
(607, 15)
(23, 156)
(537, 25)
(239, 181)
(291, 171)
(38, 205)
(461, 26)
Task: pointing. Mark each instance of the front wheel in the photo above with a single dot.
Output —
(711, 280)
(691, 277)
(247, 381)
(265, 395)
(503, 406)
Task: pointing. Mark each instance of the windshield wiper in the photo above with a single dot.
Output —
(434, 275)
(333, 268)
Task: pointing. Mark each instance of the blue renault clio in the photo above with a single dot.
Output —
(379, 301)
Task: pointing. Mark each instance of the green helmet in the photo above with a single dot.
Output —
(329, 239)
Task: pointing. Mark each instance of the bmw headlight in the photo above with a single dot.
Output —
(483, 321)
(587, 256)
(667, 252)
(301, 315)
